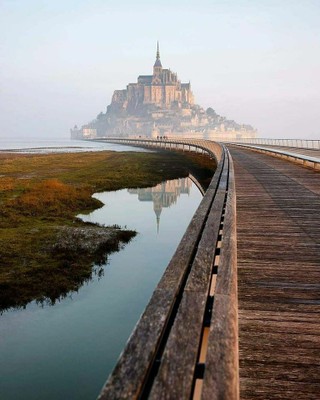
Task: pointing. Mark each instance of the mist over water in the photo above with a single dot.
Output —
(33, 145)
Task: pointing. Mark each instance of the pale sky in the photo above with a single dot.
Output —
(254, 61)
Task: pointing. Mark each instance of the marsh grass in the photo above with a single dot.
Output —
(45, 252)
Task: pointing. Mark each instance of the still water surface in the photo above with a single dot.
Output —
(66, 351)
(45, 146)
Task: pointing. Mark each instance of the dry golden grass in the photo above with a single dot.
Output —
(41, 194)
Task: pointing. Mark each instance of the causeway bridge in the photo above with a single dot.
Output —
(237, 311)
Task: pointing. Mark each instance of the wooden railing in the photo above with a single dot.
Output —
(293, 156)
(299, 143)
(185, 344)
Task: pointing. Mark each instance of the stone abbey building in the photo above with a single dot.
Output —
(162, 89)
(159, 105)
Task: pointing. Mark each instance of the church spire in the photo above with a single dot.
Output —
(157, 68)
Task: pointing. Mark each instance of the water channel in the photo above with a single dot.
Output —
(66, 351)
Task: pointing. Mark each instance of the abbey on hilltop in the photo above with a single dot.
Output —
(162, 89)
(160, 105)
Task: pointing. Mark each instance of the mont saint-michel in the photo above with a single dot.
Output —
(160, 105)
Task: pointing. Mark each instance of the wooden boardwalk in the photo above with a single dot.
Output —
(185, 345)
(295, 150)
(298, 150)
(278, 236)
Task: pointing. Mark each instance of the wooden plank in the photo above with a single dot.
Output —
(175, 377)
(128, 377)
(176, 373)
(221, 376)
(280, 389)
(278, 232)
(221, 373)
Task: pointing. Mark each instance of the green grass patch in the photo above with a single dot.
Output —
(45, 252)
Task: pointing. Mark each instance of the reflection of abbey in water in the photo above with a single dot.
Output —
(163, 195)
